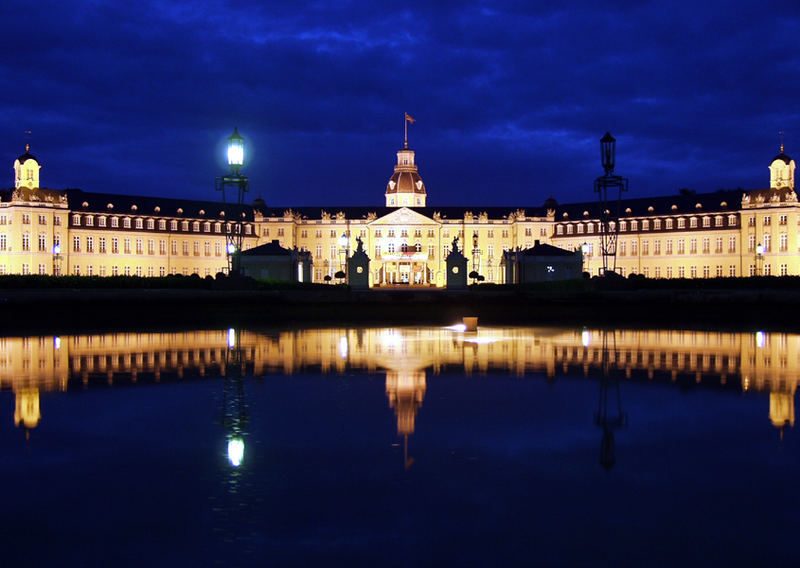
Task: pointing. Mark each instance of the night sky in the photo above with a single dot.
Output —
(510, 100)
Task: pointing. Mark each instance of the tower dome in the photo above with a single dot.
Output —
(405, 187)
(781, 171)
(26, 170)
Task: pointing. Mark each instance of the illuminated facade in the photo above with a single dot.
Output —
(761, 362)
(718, 234)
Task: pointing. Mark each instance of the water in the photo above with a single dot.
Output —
(400, 447)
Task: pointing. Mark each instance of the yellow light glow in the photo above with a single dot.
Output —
(231, 338)
(760, 339)
(585, 338)
(235, 451)
(343, 347)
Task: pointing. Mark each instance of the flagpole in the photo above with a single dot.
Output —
(405, 131)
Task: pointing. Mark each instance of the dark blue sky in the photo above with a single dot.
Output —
(510, 100)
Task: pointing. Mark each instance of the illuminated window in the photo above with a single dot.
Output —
(114, 222)
(89, 244)
(139, 223)
(126, 223)
(114, 245)
(151, 224)
(101, 245)
(101, 221)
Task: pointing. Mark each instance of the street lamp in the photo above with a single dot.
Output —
(586, 248)
(759, 259)
(236, 185)
(56, 259)
(343, 242)
(476, 259)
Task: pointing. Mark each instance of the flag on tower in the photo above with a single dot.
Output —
(410, 119)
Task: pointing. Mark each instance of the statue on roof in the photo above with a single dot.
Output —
(455, 245)
(359, 245)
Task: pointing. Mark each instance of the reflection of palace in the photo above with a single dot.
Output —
(725, 233)
(768, 362)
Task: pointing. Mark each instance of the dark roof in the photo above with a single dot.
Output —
(167, 207)
(685, 203)
(25, 157)
(270, 249)
(783, 157)
(541, 249)
(361, 211)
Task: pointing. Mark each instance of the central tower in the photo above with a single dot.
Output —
(405, 187)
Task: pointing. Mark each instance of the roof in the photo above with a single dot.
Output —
(153, 206)
(541, 249)
(25, 157)
(783, 157)
(686, 202)
(270, 249)
(405, 182)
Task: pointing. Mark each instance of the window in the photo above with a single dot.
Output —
(681, 247)
(783, 242)
(162, 246)
(751, 221)
(751, 243)
(280, 231)
(185, 248)
(126, 245)
(127, 271)
(139, 223)
(693, 272)
(114, 271)
(692, 246)
(3, 242)
(57, 221)
(126, 223)
(645, 248)
(657, 227)
(719, 271)
(767, 270)
(217, 249)
(622, 248)
(732, 243)
(102, 245)
(645, 225)
(505, 233)
(767, 243)
(162, 225)
(114, 222)
(42, 242)
(42, 220)
(431, 251)
(432, 234)
(150, 271)
(377, 251)
(42, 269)
(76, 270)
(333, 251)
(784, 269)
(580, 227)
(669, 272)
(559, 230)
(196, 227)
(668, 223)
(693, 225)
(656, 247)
(528, 232)
(162, 271)
(767, 220)
(138, 271)
(304, 234)
(732, 271)
(89, 244)
(490, 251)
(76, 243)
(173, 225)
(681, 225)
(151, 224)
(196, 248)
(569, 229)
(26, 268)
(706, 245)
(706, 272)
(101, 221)
(718, 248)
(151, 246)
(668, 246)
(333, 233)
(731, 220)
(706, 221)
(377, 232)
(718, 221)
(139, 248)
(634, 225)
(102, 270)
(207, 248)
(404, 233)
(634, 248)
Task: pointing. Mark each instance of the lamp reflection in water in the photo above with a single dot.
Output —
(234, 418)
(609, 384)
(406, 391)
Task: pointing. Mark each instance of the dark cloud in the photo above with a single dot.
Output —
(511, 99)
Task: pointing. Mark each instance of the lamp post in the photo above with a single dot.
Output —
(343, 251)
(609, 213)
(476, 259)
(236, 185)
(56, 259)
(586, 248)
(759, 259)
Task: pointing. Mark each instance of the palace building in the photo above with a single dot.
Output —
(686, 235)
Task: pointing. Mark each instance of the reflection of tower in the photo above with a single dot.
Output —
(405, 391)
(26, 412)
(781, 410)
(234, 418)
(609, 384)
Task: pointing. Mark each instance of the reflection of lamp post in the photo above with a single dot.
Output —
(56, 259)
(234, 233)
(601, 417)
(234, 418)
(759, 259)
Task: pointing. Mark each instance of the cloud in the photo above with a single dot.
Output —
(137, 98)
